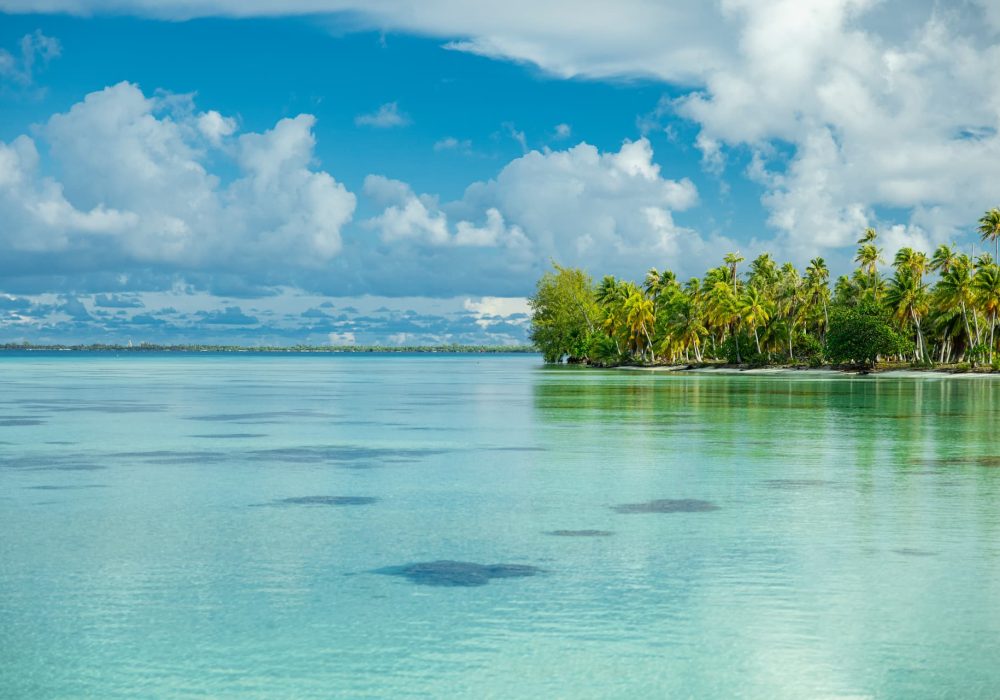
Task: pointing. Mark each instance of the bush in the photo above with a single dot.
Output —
(809, 349)
(861, 334)
(601, 350)
(747, 354)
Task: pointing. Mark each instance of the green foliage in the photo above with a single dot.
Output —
(807, 348)
(565, 314)
(747, 353)
(941, 308)
(861, 334)
(603, 352)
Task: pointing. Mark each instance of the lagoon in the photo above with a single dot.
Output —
(177, 525)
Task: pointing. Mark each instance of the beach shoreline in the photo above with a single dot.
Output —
(892, 372)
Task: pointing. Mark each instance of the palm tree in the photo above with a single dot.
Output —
(986, 285)
(989, 229)
(818, 288)
(733, 259)
(944, 258)
(907, 299)
(753, 309)
(723, 311)
(913, 261)
(868, 258)
(639, 318)
(685, 327)
(954, 291)
(611, 295)
(868, 236)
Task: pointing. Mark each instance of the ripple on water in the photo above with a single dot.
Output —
(580, 533)
(667, 505)
(457, 573)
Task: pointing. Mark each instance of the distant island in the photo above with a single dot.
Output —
(938, 310)
(152, 347)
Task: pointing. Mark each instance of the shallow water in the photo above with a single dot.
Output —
(223, 525)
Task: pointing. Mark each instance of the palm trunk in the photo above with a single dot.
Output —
(921, 350)
(965, 315)
(756, 339)
(993, 325)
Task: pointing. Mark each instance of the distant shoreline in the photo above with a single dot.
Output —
(278, 349)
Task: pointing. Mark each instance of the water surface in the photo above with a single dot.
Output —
(479, 526)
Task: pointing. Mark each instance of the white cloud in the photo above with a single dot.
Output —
(608, 211)
(34, 50)
(215, 127)
(385, 117)
(342, 338)
(134, 188)
(450, 143)
(517, 135)
(490, 311)
(562, 131)
(873, 103)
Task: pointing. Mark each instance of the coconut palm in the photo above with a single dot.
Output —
(818, 288)
(943, 259)
(868, 258)
(868, 236)
(732, 260)
(639, 319)
(913, 261)
(754, 310)
(906, 298)
(986, 287)
(954, 291)
(989, 229)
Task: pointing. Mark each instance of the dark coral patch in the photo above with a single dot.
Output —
(667, 505)
(321, 501)
(457, 573)
(72, 487)
(912, 552)
(12, 422)
(795, 483)
(223, 436)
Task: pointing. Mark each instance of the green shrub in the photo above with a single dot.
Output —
(861, 334)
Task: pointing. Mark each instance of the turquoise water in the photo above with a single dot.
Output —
(240, 526)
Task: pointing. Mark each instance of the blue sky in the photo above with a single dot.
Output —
(327, 171)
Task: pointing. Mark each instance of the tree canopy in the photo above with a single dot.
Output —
(919, 308)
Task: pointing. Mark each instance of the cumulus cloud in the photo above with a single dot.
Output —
(135, 189)
(852, 106)
(385, 117)
(608, 211)
(342, 338)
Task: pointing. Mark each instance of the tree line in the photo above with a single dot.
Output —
(932, 309)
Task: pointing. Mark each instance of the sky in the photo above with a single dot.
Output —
(388, 172)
